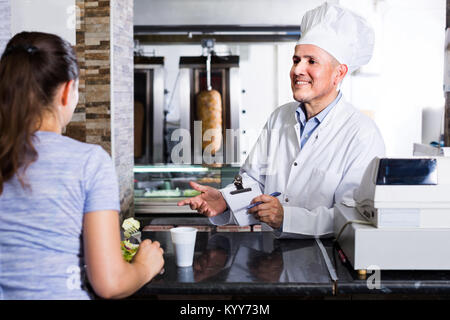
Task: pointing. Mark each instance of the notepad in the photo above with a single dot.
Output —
(239, 202)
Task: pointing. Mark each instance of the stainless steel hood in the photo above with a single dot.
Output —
(190, 21)
(193, 34)
(222, 12)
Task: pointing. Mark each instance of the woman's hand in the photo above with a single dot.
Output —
(109, 274)
(150, 256)
(210, 203)
(270, 211)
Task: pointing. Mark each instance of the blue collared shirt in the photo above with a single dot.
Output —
(307, 127)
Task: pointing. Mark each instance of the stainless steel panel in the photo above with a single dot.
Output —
(155, 152)
(158, 116)
(221, 12)
(185, 98)
(160, 205)
(147, 73)
(235, 92)
(227, 67)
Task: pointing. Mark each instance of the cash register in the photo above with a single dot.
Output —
(400, 217)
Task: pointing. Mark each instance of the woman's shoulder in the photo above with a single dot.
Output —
(92, 153)
(68, 147)
(84, 146)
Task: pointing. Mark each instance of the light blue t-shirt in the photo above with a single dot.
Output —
(41, 227)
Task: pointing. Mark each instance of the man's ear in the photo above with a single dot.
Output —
(342, 70)
(65, 92)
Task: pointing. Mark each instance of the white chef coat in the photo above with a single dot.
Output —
(311, 179)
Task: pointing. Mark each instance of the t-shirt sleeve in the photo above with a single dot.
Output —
(100, 181)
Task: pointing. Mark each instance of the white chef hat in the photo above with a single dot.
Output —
(343, 34)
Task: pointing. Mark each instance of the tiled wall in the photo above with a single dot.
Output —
(5, 23)
(92, 119)
(123, 99)
(104, 114)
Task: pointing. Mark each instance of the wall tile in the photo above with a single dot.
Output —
(93, 121)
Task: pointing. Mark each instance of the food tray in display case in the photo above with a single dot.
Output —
(157, 189)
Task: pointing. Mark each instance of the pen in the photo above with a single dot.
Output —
(275, 194)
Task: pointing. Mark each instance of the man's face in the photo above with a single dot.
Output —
(312, 74)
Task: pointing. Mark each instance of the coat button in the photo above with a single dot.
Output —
(295, 163)
(286, 200)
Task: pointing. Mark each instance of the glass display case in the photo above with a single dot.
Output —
(157, 189)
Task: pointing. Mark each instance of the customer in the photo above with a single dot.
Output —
(59, 198)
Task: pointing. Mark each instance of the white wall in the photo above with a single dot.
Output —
(5, 22)
(405, 77)
(52, 16)
(259, 80)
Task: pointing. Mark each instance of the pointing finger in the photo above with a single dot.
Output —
(197, 186)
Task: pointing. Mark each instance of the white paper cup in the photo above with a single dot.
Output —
(183, 239)
(185, 274)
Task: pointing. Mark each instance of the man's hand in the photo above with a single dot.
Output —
(210, 203)
(270, 211)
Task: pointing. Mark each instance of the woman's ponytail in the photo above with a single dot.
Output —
(32, 66)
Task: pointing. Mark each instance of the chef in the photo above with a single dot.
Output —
(313, 151)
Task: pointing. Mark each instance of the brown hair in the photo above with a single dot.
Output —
(32, 66)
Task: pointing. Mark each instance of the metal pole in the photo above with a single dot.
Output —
(208, 71)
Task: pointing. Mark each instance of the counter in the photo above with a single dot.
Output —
(393, 282)
(242, 263)
(257, 264)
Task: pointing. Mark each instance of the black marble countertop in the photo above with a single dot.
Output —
(258, 264)
(400, 282)
(242, 263)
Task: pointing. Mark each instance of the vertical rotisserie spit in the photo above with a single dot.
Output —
(209, 111)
